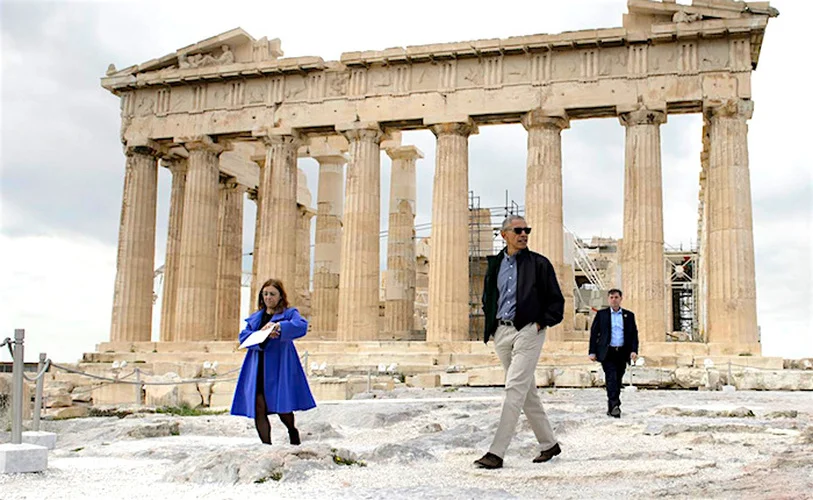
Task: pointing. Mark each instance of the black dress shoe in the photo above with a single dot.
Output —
(615, 412)
(294, 437)
(489, 461)
(546, 455)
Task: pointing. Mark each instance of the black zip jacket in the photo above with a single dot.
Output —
(539, 299)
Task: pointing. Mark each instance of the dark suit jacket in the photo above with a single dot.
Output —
(601, 331)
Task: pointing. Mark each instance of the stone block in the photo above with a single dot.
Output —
(454, 379)
(689, 378)
(726, 349)
(70, 412)
(19, 458)
(58, 401)
(487, 377)
(787, 380)
(650, 377)
(221, 400)
(424, 380)
(114, 394)
(162, 395)
(572, 377)
(5, 395)
(329, 389)
(40, 438)
(544, 377)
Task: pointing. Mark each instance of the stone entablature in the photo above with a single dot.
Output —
(672, 66)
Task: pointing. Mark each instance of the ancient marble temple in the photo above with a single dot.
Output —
(229, 117)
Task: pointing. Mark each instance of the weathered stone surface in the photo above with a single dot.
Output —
(70, 412)
(20, 458)
(399, 454)
(572, 377)
(687, 378)
(702, 412)
(153, 430)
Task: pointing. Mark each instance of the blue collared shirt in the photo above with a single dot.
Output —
(507, 288)
(617, 327)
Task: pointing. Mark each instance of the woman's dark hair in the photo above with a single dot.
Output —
(283, 297)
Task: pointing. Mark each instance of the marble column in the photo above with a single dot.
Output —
(255, 284)
(732, 312)
(327, 253)
(133, 292)
(400, 292)
(196, 309)
(278, 212)
(448, 314)
(642, 260)
(543, 203)
(303, 260)
(178, 167)
(359, 276)
(229, 259)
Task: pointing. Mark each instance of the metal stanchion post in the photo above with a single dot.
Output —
(38, 395)
(137, 386)
(17, 388)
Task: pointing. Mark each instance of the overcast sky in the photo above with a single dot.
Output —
(63, 168)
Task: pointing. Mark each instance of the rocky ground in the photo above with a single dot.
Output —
(421, 443)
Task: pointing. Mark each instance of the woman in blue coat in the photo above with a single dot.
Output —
(271, 379)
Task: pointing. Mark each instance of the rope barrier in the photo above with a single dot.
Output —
(40, 374)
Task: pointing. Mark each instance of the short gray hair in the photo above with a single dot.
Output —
(506, 223)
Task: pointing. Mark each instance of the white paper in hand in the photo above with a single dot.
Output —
(256, 338)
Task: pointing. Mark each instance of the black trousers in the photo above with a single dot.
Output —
(614, 365)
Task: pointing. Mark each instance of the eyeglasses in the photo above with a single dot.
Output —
(519, 230)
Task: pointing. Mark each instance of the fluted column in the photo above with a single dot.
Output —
(732, 314)
(327, 254)
(303, 260)
(229, 259)
(358, 280)
(132, 292)
(178, 167)
(642, 260)
(448, 314)
(196, 311)
(254, 292)
(278, 213)
(400, 294)
(543, 202)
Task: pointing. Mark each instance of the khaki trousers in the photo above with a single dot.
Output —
(519, 353)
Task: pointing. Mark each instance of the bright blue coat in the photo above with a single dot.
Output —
(286, 388)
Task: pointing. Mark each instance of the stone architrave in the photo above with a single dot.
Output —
(543, 202)
(642, 259)
(133, 289)
(196, 309)
(178, 167)
(327, 253)
(359, 277)
(230, 259)
(448, 315)
(399, 310)
(732, 314)
(278, 212)
(303, 260)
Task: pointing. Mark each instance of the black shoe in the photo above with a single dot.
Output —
(294, 437)
(615, 412)
(489, 461)
(546, 455)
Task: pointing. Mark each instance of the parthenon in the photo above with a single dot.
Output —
(229, 117)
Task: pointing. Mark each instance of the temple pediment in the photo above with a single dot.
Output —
(233, 48)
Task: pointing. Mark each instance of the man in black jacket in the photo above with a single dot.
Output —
(614, 342)
(521, 298)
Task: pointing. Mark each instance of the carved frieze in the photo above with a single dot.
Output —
(637, 62)
(540, 67)
(739, 58)
(447, 75)
(492, 72)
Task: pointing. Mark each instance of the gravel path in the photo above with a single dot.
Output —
(421, 443)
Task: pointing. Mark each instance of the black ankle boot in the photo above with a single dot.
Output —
(293, 435)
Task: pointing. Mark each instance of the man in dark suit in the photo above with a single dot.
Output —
(614, 343)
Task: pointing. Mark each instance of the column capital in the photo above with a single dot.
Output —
(464, 128)
(200, 143)
(278, 135)
(370, 131)
(734, 108)
(331, 159)
(231, 183)
(252, 194)
(642, 116)
(539, 118)
(176, 164)
(404, 153)
(145, 147)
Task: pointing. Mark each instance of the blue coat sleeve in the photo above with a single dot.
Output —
(244, 335)
(294, 327)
